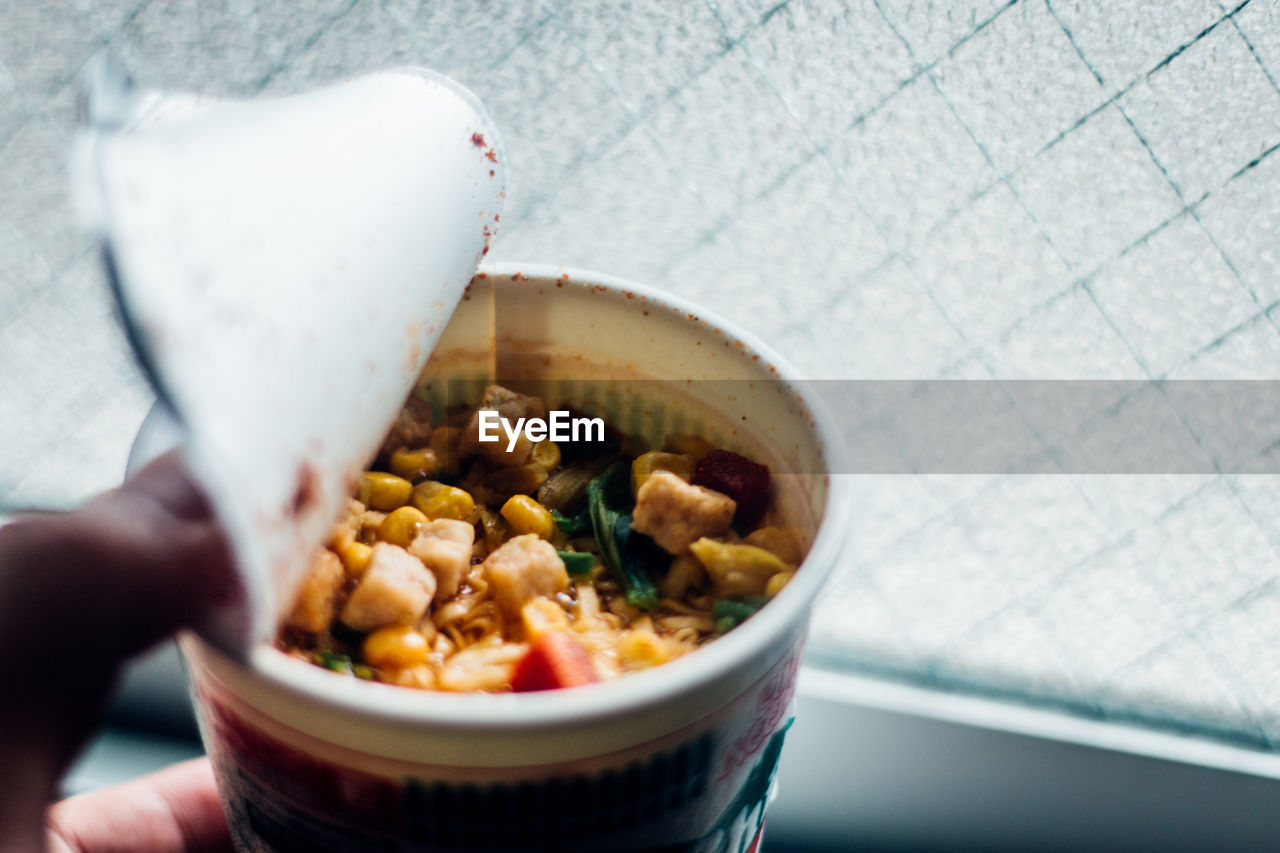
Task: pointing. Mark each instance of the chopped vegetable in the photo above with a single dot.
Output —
(656, 460)
(567, 488)
(575, 525)
(607, 496)
(729, 613)
(737, 569)
(382, 491)
(525, 515)
(336, 661)
(732, 474)
(555, 659)
(577, 562)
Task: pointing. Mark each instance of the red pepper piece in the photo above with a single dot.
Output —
(555, 659)
(732, 474)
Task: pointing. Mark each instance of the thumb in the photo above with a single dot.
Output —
(127, 569)
(82, 591)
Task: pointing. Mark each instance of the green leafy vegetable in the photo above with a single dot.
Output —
(608, 501)
(336, 661)
(574, 525)
(729, 613)
(577, 562)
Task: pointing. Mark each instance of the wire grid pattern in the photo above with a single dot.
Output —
(879, 189)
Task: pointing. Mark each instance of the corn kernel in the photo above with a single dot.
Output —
(354, 555)
(383, 491)
(542, 616)
(526, 515)
(395, 647)
(689, 445)
(414, 465)
(546, 454)
(444, 443)
(642, 649)
(401, 526)
(644, 465)
(777, 582)
(436, 500)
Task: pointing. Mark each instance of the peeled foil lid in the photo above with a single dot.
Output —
(284, 268)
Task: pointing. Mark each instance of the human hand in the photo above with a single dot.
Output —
(175, 810)
(80, 593)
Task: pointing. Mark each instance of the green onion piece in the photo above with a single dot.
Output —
(577, 562)
(574, 525)
(612, 529)
(335, 661)
(729, 613)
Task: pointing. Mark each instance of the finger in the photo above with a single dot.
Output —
(128, 568)
(175, 810)
(167, 482)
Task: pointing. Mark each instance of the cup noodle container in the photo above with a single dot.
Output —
(681, 757)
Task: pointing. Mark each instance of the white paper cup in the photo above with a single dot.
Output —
(680, 757)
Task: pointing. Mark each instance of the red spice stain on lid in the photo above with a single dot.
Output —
(491, 155)
(477, 139)
(307, 490)
(491, 173)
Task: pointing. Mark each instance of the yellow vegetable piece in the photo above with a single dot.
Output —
(354, 555)
(547, 455)
(395, 647)
(778, 540)
(645, 464)
(642, 649)
(689, 445)
(685, 571)
(737, 569)
(401, 526)
(777, 582)
(414, 464)
(542, 616)
(526, 515)
(436, 500)
(382, 491)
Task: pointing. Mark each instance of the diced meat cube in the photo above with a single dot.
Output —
(317, 601)
(395, 590)
(444, 547)
(676, 514)
(523, 569)
(411, 428)
(511, 407)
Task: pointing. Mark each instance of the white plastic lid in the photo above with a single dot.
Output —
(284, 268)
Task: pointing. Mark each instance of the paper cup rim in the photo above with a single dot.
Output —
(633, 692)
